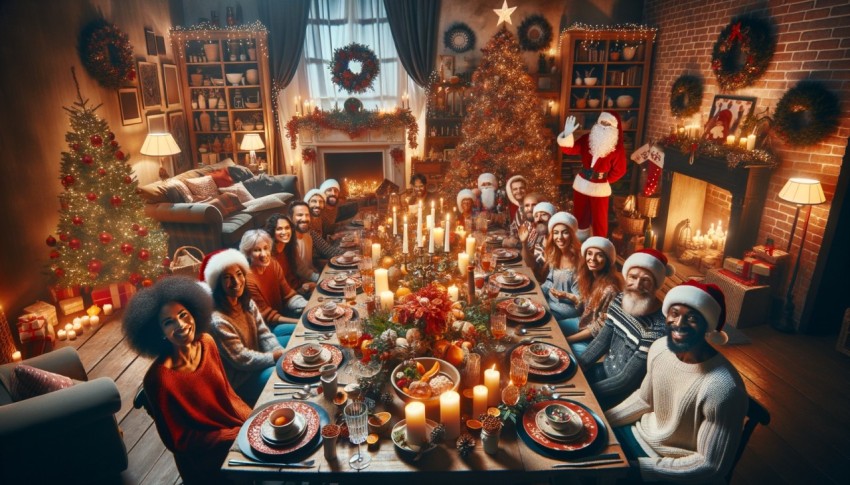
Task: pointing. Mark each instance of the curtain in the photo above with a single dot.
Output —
(414, 26)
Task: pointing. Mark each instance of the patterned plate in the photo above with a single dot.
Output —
(312, 316)
(253, 430)
(504, 255)
(336, 262)
(546, 427)
(267, 432)
(583, 441)
(537, 317)
(518, 280)
(298, 360)
(565, 367)
(328, 286)
(288, 371)
(523, 283)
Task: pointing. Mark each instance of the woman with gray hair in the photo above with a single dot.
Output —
(277, 301)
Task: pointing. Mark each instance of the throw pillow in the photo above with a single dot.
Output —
(240, 191)
(183, 189)
(27, 381)
(202, 188)
(173, 194)
(239, 173)
(222, 178)
(261, 185)
(271, 201)
(227, 204)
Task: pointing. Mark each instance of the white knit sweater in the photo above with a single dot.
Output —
(687, 417)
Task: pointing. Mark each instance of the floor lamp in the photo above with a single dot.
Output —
(160, 145)
(798, 191)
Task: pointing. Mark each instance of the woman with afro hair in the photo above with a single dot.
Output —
(196, 411)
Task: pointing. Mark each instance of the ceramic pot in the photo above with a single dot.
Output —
(615, 56)
(211, 51)
(593, 103)
(581, 103)
(252, 76)
(628, 53)
(252, 53)
(196, 79)
(625, 101)
(206, 122)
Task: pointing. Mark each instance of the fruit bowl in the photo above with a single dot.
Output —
(446, 369)
(625, 101)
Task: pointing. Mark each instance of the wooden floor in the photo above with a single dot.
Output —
(801, 380)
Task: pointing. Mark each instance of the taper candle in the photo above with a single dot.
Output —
(446, 243)
(470, 246)
(419, 221)
(479, 400)
(376, 253)
(405, 245)
(395, 221)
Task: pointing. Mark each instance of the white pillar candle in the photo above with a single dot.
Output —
(107, 309)
(462, 263)
(85, 320)
(431, 240)
(450, 413)
(730, 140)
(78, 327)
(743, 142)
(446, 242)
(382, 282)
(16, 356)
(69, 326)
(479, 400)
(72, 335)
(454, 293)
(395, 222)
(491, 380)
(414, 414)
(470, 245)
(77, 321)
(751, 142)
(61, 334)
(387, 300)
(376, 253)
(439, 237)
(419, 221)
(94, 321)
(432, 210)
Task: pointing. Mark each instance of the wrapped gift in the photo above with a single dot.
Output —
(71, 305)
(746, 305)
(116, 294)
(57, 294)
(740, 279)
(772, 256)
(759, 267)
(36, 334)
(44, 309)
(735, 266)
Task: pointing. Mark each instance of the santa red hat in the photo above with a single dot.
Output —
(708, 300)
(508, 189)
(215, 262)
(603, 245)
(651, 260)
(563, 218)
(464, 194)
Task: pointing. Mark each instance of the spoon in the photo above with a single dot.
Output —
(319, 335)
(559, 395)
(296, 395)
(294, 388)
(326, 298)
(525, 331)
(552, 387)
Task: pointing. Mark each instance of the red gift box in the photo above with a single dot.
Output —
(36, 335)
(740, 279)
(57, 293)
(116, 294)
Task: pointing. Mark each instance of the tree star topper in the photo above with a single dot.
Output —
(504, 13)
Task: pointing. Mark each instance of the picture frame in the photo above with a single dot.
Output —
(160, 45)
(157, 123)
(171, 85)
(128, 102)
(150, 41)
(447, 65)
(448, 153)
(149, 84)
(727, 114)
(182, 162)
(544, 82)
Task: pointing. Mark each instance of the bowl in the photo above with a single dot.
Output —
(590, 81)
(563, 419)
(539, 352)
(524, 305)
(624, 101)
(234, 78)
(252, 104)
(329, 308)
(446, 369)
(593, 103)
(217, 81)
(283, 422)
(310, 352)
(379, 423)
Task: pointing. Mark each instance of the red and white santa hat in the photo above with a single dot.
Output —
(486, 177)
(651, 260)
(464, 194)
(601, 243)
(610, 118)
(563, 218)
(216, 262)
(546, 207)
(708, 300)
(508, 189)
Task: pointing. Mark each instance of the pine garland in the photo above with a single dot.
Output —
(355, 123)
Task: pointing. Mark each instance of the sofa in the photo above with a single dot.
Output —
(211, 221)
(65, 436)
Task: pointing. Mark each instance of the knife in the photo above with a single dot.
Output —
(308, 464)
(584, 464)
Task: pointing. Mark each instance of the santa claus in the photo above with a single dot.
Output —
(603, 160)
(516, 189)
(487, 186)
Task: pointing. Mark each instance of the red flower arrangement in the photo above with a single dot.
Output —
(354, 123)
(308, 155)
(397, 155)
(430, 305)
(343, 77)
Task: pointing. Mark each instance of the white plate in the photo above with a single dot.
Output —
(552, 361)
(514, 309)
(548, 430)
(398, 436)
(298, 429)
(298, 359)
(320, 315)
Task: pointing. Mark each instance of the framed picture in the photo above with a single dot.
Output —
(171, 85)
(177, 127)
(160, 45)
(448, 154)
(447, 65)
(544, 82)
(149, 83)
(727, 113)
(156, 123)
(150, 41)
(128, 100)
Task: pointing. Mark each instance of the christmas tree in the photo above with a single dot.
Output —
(503, 132)
(104, 236)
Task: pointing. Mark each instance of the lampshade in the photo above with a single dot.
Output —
(803, 192)
(159, 145)
(252, 141)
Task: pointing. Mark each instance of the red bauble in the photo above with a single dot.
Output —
(68, 180)
(51, 241)
(96, 140)
(87, 159)
(91, 196)
(134, 227)
(143, 231)
(110, 135)
(95, 266)
(144, 254)
(114, 144)
(119, 155)
(115, 201)
(128, 180)
(59, 272)
(54, 254)
(74, 243)
(101, 172)
(63, 236)
(147, 282)
(135, 278)
(75, 147)
(127, 248)
(77, 221)
(105, 238)
(166, 261)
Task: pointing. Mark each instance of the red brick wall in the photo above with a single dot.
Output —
(813, 43)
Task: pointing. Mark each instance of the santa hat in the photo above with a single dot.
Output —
(311, 193)
(708, 300)
(464, 194)
(610, 117)
(563, 218)
(601, 243)
(327, 184)
(486, 177)
(215, 262)
(546, 207)
(651, 260)
(508, 189)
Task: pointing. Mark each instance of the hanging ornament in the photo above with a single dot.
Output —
(105, 238)
(119, 155)
(59, 272)
(144, 254)
(102, 172)
(143, 231)
(135, 278)
(166, 261)
(113, 144)
(74, 243)
(91, 196)
(51, 241)
(68, 180)
(95, 266)
(127, 248)
(77, 220)
(63, 236)
(110, 136)
(75, 146)
(134, 227)
(115, 201)
(147, 282)
(96, 140)
(128, 180)
(87, 159)
(54, 254)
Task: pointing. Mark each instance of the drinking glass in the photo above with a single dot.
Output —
(349, 292)
(472, 371)
(348, 332)
(356, 415)
(365, 265)
(368, 285)
(519, 370)
(498, 328)
(487, 261)
(492, 288)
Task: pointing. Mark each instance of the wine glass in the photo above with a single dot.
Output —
(519, 370)
(498, 328)
(492, 288)
(368, 285)
(356, 414)
(348, 332)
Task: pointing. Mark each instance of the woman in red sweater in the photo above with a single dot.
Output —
(196, 411)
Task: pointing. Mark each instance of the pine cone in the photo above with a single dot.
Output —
(438, 434)
(465, 444)
(386, 398)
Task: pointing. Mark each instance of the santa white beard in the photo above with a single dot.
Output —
(637, 303)
(602, 140)
(488, 197)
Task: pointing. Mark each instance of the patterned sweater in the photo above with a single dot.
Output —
(626, 340)
(322, 247)
(245, 343)
(687, 417)
(562, 280)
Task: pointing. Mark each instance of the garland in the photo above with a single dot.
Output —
(343, 77)
(107, 54)
(734, 155)
(806, 114)
(686, 96)
(459, 38)
(742, 52)
(355, 124)
(397, 154)
(539, 28)
(308, 155)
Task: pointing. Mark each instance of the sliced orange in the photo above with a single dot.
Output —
(473, 424)
(494, 412)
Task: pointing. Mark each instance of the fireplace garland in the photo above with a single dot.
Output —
(353, 124)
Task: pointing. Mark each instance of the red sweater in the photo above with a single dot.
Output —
(269, 291)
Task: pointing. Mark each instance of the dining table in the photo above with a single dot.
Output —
(519, 458)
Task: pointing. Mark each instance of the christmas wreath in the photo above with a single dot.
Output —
(459, 38)
(806, 114)
(742, 52)
(107, 54)
(535, 33)
(397, 154)
(308, 155)
(352, 105)
(686, 96)
(345, 78)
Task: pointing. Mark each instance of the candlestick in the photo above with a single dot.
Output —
(491, 380)
(479, 400)
(376, 253)
(382, 283)
(404, 242)
(447, 242)
(462, 263)
(730, 140)
(387, 301)
(395, 224)
(419, 226)
(470, 245)
(751, 142)
(450, 413)
(107, 309)
(454, 293)
(431, 240)
(416, 433)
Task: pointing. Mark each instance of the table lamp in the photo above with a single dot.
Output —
(160, 145)
(798, 191)
(252, 142)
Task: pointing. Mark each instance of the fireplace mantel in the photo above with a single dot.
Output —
(337, 141)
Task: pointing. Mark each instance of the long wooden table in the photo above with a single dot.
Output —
(515, 462)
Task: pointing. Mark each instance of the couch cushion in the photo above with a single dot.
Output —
(239, 173)
(153, 193)
(202, 188)
(227, 204)
(221, 177)
(239, 190)
(261, 185)
(271, 201)
(28, 381)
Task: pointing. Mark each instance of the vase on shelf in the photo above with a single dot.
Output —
(252, 76)
(206, 122)
(202, 101)
(211, 51)
(628, 53)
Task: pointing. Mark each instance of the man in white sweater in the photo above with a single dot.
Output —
(684, 422)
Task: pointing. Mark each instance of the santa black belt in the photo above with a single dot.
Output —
(594, 176)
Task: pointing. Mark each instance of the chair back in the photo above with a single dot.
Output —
(756, 415)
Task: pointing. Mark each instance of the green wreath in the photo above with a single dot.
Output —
(686, 96)
(806, 114)
(107, 54)
(459, 38)
(742, 52)
(535, 33)
(343, 77)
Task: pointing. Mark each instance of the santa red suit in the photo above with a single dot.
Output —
(592, 186)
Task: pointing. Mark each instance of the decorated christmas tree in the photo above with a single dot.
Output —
(104, 236)
(503, 132)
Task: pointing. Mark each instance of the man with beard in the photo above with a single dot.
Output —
(335, 209)
(633, 322)
(684, 422)
(418, 190)
(516, 189)
(487, 186)
(603, 160)
(532, 238)
(316, 202)
(299, 212)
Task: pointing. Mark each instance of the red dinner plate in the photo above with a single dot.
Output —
(563, 358)
(329, 285)
(582, 441)
(255, 436)
(508, 305)
(293, 370)
(323, 322)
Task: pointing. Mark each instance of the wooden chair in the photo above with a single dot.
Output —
(756, 415)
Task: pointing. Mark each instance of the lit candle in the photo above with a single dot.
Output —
(72, 335)
(450, 413)
(441, 205)
(454, 293)
(387, 300)
(85, 320)
(376, 253)
(431, 240)
(94, 320)
(446, 241)
(61, 334)
(730, 140)
(462, 263)
(69, 326)
(414, 414)
(381, 280)
(107, 309)
(470, 245)
(77, 321)
(419, 226)
(395, 222)
(16, 356)
(78, 327)
(479, 400)
(491, 380)
(439, 237)
(751, 142)
(432, 211)
(404, 242)
(742, 142)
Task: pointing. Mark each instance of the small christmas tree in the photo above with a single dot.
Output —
(104, 236)
(504, 131)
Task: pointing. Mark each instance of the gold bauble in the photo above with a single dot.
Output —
(387, 261)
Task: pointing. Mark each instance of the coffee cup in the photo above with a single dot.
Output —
(539, 353)
(510, 275)
(347, 256)
(524, 305)
(311, 353)
(329, 384)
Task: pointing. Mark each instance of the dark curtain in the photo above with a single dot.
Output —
(414, 25)
(287, 24)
